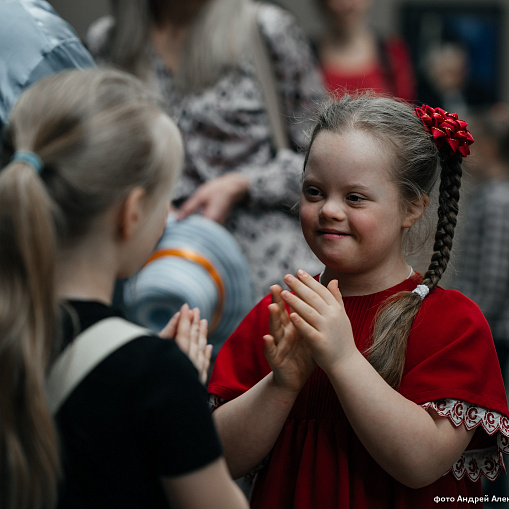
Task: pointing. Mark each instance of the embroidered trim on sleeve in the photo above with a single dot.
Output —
(215, 402)
(476, 463)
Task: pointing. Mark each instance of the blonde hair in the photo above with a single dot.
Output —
(216, 40)
(95, 132)
(417, 164)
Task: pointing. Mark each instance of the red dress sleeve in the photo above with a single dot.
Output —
(451, 354)
(241, 362)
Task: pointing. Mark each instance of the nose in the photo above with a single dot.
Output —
(332, 210)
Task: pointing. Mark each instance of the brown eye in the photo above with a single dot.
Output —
(311, 192)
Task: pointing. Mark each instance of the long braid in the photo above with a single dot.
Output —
(449, 196)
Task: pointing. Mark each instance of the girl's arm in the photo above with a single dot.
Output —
(250, 424)
(414, 446)
(210, 487)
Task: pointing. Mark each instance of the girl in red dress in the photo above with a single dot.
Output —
(369, 385)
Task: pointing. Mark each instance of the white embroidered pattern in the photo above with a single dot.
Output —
(475, 463)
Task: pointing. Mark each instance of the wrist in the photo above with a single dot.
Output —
(282, 390)
(239, 185)
(345, 364)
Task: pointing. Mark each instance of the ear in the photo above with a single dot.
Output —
(129, 213)
(414, 211)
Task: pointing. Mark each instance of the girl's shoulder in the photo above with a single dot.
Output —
(451, 354)
(447, 310)
(450, 300)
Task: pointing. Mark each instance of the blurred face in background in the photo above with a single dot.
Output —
(447, 67)
(343, 14)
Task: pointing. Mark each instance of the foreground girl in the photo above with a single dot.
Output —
(83, 201)
(373, 387)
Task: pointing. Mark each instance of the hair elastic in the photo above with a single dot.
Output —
(29, 158)
(421, 291)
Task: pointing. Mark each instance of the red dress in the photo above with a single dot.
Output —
(392, 74)
(318, 461)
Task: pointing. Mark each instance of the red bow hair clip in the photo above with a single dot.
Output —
(446, 127)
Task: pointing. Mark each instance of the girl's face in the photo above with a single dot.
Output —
(350, 208)
(154, 208)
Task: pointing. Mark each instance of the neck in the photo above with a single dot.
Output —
(86, 276)
(369, 282)
(168, 40)
(349, 35)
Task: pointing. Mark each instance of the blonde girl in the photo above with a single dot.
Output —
(369, 385)
(89, 163)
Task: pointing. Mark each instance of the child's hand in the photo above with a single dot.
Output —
(190, 334)
(320, 318)
(286, 353)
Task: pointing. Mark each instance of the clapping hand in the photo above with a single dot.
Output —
(288, 356)
(319, 316)
(190, 334)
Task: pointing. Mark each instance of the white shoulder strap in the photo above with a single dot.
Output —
(86, 351)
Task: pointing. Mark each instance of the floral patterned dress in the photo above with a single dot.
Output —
(226, 128)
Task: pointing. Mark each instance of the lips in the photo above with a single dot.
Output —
(330, 231)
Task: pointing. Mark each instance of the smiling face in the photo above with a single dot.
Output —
(350, 209)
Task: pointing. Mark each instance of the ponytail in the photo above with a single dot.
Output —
(77, 142)
(28, 444)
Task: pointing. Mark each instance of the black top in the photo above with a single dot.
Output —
(138, 415)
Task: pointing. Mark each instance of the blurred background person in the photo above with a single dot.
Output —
(445, 82)
(354, 57)
(482, 264)
(35, 42)
(199, 55)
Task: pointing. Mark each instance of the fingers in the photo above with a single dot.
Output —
(190, 334)
(311, 301)
(170, 328)
(199, 351)
(191, 206)
(277, 299)
(204, 353)
(303, 327)
(333, 288)
(269, 347)
(308, 288)
(206, 365)
(183, 332)
(194, 335)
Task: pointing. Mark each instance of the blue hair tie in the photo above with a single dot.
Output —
(30, 158)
